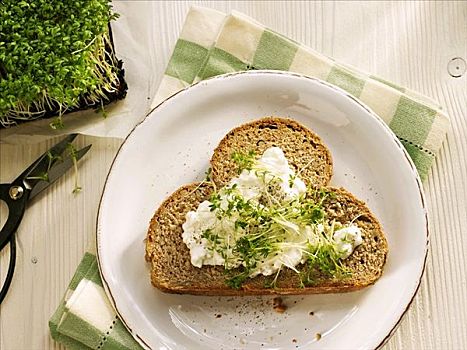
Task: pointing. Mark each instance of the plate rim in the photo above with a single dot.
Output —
(341, 91)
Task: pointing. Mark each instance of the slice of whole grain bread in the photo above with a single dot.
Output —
(304, 150)
(172, 271)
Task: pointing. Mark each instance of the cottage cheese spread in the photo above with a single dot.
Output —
(271, 172)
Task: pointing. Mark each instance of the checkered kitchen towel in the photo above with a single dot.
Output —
(213, 43)
(85, 319)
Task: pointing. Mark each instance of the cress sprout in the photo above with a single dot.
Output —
(56, 56)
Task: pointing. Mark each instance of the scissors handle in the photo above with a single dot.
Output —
(15, 196)
(11, 269)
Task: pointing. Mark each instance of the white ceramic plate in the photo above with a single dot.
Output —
(173, 145)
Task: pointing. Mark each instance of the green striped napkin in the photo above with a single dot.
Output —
(85, 319)
(213, 43)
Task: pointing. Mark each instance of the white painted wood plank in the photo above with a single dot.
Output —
(409, 43)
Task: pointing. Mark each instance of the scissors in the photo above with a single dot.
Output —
(36, 178)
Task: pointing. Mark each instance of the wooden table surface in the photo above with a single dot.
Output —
(409, 43)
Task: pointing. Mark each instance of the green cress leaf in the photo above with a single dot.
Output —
(243, 160)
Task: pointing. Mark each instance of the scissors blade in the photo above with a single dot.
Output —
(42, 161)
(57, 170)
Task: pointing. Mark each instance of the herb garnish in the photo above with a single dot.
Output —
(244, 161)
(269, 226)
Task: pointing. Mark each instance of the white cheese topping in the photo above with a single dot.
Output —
(270, 175)
(272, 164)
(347, 239)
